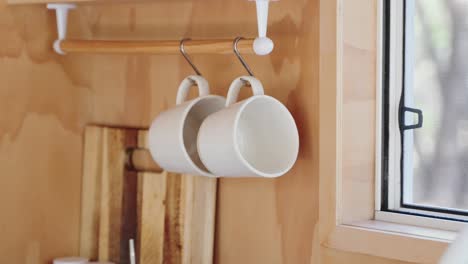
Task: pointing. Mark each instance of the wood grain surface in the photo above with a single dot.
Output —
(152, 47)
(181, 210)
(170, 216)
(109, 195)
(48, 99)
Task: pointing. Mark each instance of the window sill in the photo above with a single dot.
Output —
(390, 240)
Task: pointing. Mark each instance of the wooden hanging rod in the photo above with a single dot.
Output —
(215, 46)
(139, 159)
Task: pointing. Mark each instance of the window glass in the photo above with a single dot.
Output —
(435, 163)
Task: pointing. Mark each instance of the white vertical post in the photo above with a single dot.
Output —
(262, 17)
(61, 11)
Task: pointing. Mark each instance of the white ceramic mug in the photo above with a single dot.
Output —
(173, 134)
(256, 137)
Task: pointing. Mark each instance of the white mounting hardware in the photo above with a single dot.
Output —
(263, 45)
(61, 11)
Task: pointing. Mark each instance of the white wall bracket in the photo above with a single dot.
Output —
(263, 45)
(61, 11)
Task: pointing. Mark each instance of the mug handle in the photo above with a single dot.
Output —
(187, 83)
(237, 84)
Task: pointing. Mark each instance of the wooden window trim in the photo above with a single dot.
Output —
(347, 155)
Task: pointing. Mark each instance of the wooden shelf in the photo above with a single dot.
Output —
(26, 2)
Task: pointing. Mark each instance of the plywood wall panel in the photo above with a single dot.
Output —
(40, 141)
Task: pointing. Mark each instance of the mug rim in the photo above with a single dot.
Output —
(245, 103)
(187, 108)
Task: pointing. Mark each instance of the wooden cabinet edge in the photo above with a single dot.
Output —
(30, 2)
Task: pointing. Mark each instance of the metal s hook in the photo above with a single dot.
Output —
(187, 58)
(239, 56)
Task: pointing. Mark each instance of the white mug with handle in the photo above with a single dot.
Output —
(256, 137)
(173, 134)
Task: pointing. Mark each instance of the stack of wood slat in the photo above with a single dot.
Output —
(170, 216)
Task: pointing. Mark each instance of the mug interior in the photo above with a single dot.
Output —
(195, 117)
(267, 136)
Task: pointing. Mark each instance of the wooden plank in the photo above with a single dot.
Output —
(91, 186)
(189, 219)
(199, 203)
(173, 220)
(189, 216)
(108, 195)
(118, 200)
(151, 213)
